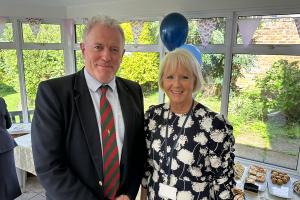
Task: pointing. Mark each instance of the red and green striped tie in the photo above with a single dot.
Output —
(111, 167)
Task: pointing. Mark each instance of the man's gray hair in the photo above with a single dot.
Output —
(104, 20)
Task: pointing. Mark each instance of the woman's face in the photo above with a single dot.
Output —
(179, 85)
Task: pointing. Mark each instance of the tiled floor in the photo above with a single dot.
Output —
(33, 190)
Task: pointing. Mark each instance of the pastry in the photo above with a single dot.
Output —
(238, 194)
(297, 187)
(250, 180)
(261, 178)
(279, 178)
(257, 173)
(238, 170)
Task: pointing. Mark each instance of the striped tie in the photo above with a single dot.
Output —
(111, 168)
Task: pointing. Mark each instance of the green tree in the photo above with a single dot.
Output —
(280, 89)
(41, 65)
(142, 67)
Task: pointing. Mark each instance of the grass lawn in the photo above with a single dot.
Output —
(13, 102)
(151, 99)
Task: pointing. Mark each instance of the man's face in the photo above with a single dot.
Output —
(103, 51)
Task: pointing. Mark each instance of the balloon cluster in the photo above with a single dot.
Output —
(173, 33)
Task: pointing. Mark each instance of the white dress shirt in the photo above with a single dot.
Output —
(113, 98)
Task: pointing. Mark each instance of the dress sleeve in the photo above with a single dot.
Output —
(221, 157)
(148, 167)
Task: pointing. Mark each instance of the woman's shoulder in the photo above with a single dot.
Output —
(216, 118)
(204, 111)
(154, 108)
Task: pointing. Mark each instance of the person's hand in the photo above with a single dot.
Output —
(143, 194)
(122, 197)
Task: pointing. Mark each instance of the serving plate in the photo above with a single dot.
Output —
(240, 182)
(283, 191)
(296, 182)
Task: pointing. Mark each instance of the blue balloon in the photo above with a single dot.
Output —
(194, 50)
(174, 30)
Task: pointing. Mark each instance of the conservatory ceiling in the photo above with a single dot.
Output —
(130, 8)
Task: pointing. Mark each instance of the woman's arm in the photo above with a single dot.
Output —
(222, 158)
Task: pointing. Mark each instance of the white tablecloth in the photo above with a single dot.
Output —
(20, 128)
(23, 154)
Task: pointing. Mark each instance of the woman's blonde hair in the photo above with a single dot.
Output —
(181, 58)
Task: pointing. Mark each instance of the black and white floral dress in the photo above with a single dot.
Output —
(201, 164)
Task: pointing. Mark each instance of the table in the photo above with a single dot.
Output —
(19, 129)
(265, 195)
(23, 154)
(23, 158)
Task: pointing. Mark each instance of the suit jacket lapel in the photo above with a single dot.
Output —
(88, 120)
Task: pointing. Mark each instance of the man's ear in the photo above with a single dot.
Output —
(82, 47)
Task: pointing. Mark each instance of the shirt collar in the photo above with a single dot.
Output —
(94, 84)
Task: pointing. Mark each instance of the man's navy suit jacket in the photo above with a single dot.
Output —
(66, 141)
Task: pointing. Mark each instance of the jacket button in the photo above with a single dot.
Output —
(100, 183)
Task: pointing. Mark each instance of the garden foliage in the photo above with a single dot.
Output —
(280, 89)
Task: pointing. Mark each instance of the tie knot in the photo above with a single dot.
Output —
(104, 89)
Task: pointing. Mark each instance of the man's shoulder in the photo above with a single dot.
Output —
(62, 81)
(127, 82)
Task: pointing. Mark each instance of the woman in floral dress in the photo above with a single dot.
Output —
(190, 147)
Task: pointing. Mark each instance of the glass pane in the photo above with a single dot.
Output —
(213, 68)
(48, 33)
(149, 34)
(264, 108)
(79, 32)
(142, 68)
(275, 29)
(41, 65)
(9, 84)
(79, 60)
(217, 36)
(7, 35)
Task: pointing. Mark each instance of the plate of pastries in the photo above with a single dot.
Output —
(239, 170)
(279, 184)
(257, 175)
(296, 187)
(239, 174)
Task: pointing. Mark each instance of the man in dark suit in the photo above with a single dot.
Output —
(9, 185)
(66, 130)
